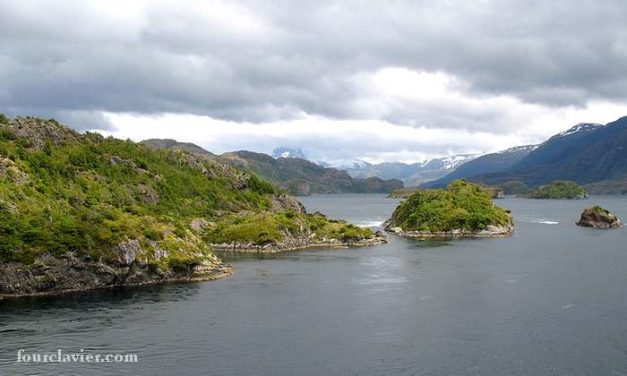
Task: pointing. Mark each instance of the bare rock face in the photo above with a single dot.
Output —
(287, 203)
(199, 224)
(128, 251)
(598, 217)
(51, 276)
(148, 194)
(38, 131)
(117, 160)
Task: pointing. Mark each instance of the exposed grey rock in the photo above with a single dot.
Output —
(38, 131)
(48, 275)
(160, 253)
(199, 224)
(287, 203)
(128, 251)
(491, 231)
(298, 243)
(148, 194)
(598, 217)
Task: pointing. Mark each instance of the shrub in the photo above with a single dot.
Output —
(257, 184)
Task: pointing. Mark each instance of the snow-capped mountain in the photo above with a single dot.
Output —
(346, 164)
(450, 162)
(521, 149)
(409, 173)
(284, 152)
(580, 128)
(560, 146)
(485, 164)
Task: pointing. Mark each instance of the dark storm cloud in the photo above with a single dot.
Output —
(263, 61)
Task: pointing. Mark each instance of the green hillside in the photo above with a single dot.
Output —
(66, 195)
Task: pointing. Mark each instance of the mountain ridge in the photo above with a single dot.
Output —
(585, 153)
(487, 163)
(300, 176)
(411, 173)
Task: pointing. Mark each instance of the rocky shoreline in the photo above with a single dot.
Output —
(300, 244)
(489, 232)
(50, 276)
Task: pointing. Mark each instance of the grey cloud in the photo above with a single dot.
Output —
(84, 120)
(284, 58)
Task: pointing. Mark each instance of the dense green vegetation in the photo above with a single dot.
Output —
(265, 228)
(514, 187)
(559, 189)
(462, 206)
(63, 192)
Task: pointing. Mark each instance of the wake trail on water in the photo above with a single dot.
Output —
(368, 223)
(542, 221)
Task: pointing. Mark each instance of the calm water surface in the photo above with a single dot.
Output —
(550, 300)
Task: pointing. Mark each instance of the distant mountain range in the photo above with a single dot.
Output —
(411, 174)
(298, 176)
(587, 153)
(303, 177)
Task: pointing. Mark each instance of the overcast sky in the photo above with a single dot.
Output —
(377, 80)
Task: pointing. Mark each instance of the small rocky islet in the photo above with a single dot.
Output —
(598, 218)
(463, 210)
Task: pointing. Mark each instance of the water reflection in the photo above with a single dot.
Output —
(109, 298)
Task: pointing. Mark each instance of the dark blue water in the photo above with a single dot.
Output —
(550, 300)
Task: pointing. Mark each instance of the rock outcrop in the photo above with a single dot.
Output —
(491, 231)
(52, 276)
(297, 243)
(598, 217)
(38, 131)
